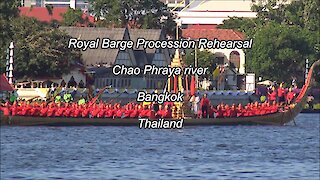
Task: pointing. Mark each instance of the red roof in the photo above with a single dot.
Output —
(42, 14)
(202, 26)
(211, 32)
(4, 84)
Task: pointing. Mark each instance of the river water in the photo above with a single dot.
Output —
(212, 152)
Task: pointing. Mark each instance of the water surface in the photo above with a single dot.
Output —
(204, 152)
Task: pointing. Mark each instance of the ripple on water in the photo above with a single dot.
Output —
(213, 152)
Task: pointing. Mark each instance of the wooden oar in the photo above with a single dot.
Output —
(30, 100)
(97, 96)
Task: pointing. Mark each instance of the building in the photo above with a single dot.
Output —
(82, 4)
(100, 61)
(215, 11)
(42, 14)
(176, 4)
(225, 57)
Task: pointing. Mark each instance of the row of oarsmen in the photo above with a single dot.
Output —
(130, 110)
(101, 110)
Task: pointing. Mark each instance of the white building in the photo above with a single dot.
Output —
(215, 11)
(82, 4)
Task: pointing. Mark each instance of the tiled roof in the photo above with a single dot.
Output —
(42, 14)
(97, 56)
(202, 26)
(221, 34)
(148, 34)
(4, 84)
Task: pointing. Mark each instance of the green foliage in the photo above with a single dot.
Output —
(147, 14)
(73, 17)
(284, 36)
(39, 49)
(205, 59)
(8, 10)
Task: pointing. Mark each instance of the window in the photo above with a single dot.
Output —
(235, 59)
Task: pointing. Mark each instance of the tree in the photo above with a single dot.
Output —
(8, 11)
(145, 14)
(204, 59)
(279, 52)
(40, 50)
(73, 17)
(284, 36)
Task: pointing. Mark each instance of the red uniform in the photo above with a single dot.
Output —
(109, 113)
(281, 92)
(85, 112)
(167, 114)
(101, 113)
(43, 111)
(34, 111)
(67, 112)
(14, 110)
(211, 112)
(160, 113)
(59, 112)
(233, 112)
(290, 96)
(127, 113)
(273, 96)
(152, 114)
(51, 111)
(94, 112)
(220, 113)
(6, 111)
(119, 113)
(134, 114)
(144, 113)
(77, 112)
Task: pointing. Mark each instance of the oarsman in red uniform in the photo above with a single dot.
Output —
(152, 114)
(119, 112)
(14, 109)
(272, 96)
(167, 113)
(109, 112)
(85, 112)
(25, 111)
(67, 110)
(134, 113)
(212, 110)
(77, 111)
(34, 110)
(255, 108)
(5, 109)
(204, 106)
(145, 112)
(220, 112)
(240, 111)
(102, 110)
(263, 109)
(281, 94)
(59, 110)
(290, 96)
(43, 110)
(127, 111)
(94, 110)
(233, 111)
(226, 111)
(274, 107)
(51, 110)
(161, 112)
(248, 111)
